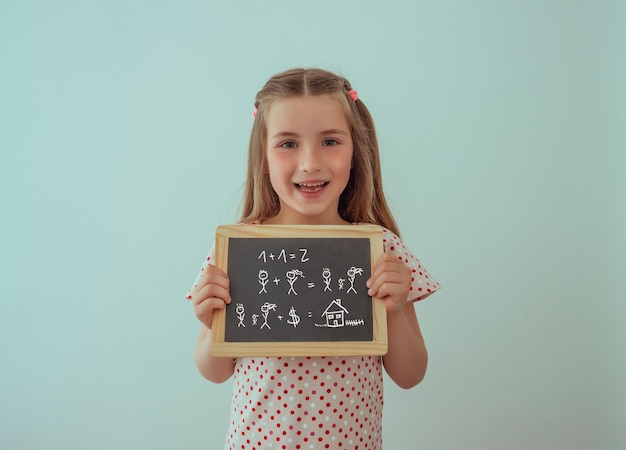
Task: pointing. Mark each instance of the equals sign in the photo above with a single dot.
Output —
(310, 314)
(311, 285)
(292, 256)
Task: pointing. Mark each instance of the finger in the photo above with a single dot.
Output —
(211, 291)
(387, 263)
(379, 266)
(392, 291)
(387, 290)
(211, 276)
(377, 270)
(389, 277)
(206, 310)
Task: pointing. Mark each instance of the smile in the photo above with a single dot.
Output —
(311, 187)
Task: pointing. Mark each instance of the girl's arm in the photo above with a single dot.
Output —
(406, 359)
(213, 368)
(211, 293)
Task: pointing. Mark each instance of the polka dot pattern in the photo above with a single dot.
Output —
(422, 284)
(314, 402)
(307, 403)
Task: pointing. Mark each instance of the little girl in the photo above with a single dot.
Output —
(313, 159)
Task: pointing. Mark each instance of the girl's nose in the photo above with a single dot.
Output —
(309, 160)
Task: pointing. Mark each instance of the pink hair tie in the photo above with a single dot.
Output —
(254, 113)
(353, 95)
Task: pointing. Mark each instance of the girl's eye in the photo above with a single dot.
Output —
(288, 144)
(330, 142)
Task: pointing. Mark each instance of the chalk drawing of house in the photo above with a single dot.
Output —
(335, 313)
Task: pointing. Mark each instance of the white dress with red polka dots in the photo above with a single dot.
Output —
(315, 402)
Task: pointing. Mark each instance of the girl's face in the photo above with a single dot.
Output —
(309, 156)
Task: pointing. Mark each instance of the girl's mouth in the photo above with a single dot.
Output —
(311, 188)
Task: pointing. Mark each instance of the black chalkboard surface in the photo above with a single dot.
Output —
(299, 291)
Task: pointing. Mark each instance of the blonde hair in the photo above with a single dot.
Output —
(363, 199)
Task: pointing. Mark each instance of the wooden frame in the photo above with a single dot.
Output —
(377, 346)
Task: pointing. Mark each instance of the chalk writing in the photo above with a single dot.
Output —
(272, 280)
(295, 319)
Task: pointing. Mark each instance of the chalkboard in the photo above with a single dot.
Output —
(299, 291)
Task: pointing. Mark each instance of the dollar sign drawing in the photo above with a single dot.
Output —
(295, 320)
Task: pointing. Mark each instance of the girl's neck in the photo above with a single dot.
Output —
(288, 219)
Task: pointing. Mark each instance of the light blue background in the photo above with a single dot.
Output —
(123, 129)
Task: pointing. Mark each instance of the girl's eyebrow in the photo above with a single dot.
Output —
(284, 134)
(336, 131)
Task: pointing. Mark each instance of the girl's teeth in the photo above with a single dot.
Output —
(306, 187)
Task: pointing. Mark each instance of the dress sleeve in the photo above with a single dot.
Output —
(207, 262)
(422, 284)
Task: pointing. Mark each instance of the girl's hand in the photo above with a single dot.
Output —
(390, 282)
(211, 293)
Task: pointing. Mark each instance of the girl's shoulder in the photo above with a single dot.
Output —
(422, 283)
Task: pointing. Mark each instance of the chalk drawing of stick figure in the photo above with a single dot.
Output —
(241, 313)
(326, 276)
(352, 273)
(265, 309)
(292, 276)
(263, 278)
